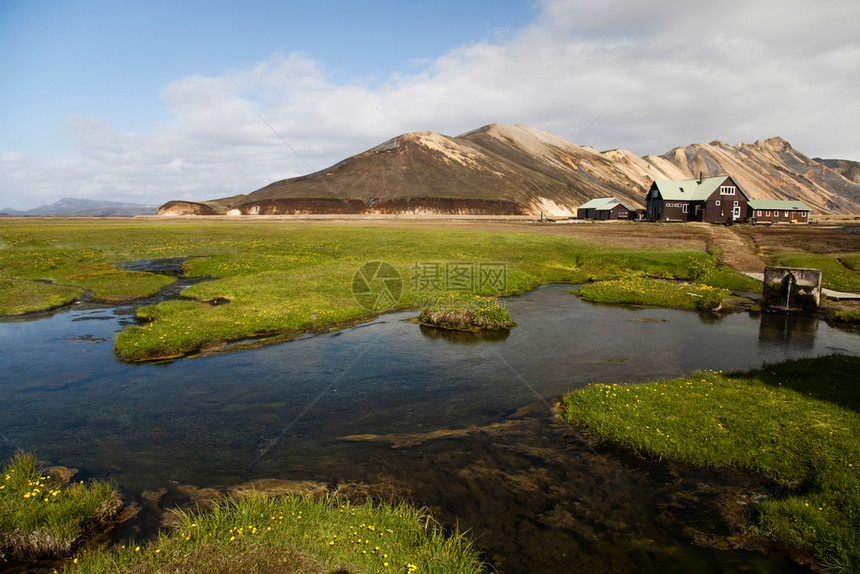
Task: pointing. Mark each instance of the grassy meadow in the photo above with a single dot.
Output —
(293, 534)
(277, 278)
(797, 423)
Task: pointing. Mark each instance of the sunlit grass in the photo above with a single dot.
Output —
(20, 296)
(796, 423)
(852, 261)
(724, 277)
(645, 291)
(40, 517)
(294, 534)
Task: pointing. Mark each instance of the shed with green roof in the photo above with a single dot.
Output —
(778, 211)
(605, 208)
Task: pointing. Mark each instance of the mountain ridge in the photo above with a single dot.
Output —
(70, 206)
(517, 169)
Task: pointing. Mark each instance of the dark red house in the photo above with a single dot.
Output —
(713, 199)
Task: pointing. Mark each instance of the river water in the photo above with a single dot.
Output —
(532, 492)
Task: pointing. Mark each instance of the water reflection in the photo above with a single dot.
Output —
(788, 331)
(453, 336)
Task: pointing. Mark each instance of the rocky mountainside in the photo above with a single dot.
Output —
(501, 169)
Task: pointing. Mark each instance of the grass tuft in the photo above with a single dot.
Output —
(466, 314)
(42, 518)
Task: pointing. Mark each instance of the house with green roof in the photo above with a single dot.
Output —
(777, 211)
(604, 208)
(716, 199)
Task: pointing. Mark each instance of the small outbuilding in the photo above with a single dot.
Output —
(605, 208)
(716, 199)
(777, 211)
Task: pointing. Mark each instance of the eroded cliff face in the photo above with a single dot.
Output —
(518, 170)
(187, 208)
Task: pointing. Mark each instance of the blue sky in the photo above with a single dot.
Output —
(147, 101)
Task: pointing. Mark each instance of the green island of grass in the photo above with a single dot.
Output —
(459, 313)
(797, 423)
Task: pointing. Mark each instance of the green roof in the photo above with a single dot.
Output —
(691, 189)
(600, 202)
(604, 204)
(778, 204)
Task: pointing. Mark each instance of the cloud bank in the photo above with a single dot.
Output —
(619, 73)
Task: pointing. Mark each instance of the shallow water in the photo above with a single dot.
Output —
(282, 411)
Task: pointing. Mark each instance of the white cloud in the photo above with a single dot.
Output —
(653, 75)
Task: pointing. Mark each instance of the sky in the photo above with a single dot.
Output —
(146, 101)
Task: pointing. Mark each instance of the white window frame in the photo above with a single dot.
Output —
(758, 213)
(717, 203)
(727, 190)
(685, 208)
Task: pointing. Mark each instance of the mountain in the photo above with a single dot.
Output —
(502, 169)
(70, 206)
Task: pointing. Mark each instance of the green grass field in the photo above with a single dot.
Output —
(797, 423)
(282, 278)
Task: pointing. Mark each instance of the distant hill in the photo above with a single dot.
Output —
(502, 169)
(70, 206)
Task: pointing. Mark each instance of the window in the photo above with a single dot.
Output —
(786, 214)
(717, 203)
(767, 213)
(736, 203)
(802, 214)
(758, 213)
(685, 208)
(727, 190)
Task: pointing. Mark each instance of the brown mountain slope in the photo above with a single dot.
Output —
(500, 169)
(492, 170)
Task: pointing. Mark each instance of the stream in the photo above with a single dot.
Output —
(359, 406)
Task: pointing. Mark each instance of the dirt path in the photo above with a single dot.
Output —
(737, 251)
